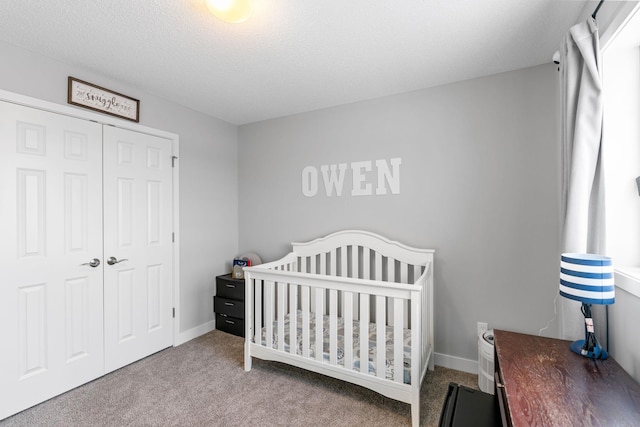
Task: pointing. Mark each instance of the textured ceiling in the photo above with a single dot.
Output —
(291, 56)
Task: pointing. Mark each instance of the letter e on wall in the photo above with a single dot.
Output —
(360, 186)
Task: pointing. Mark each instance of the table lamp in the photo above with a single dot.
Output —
(587, 278)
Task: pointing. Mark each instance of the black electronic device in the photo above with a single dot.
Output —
(464, 406)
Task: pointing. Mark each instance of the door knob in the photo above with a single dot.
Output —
(113, 260)
(93, 263)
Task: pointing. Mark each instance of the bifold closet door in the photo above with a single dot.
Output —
(51, 266)
(138, 246)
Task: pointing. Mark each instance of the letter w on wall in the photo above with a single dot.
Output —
(332, 179)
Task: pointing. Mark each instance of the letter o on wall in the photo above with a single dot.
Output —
(309, 181)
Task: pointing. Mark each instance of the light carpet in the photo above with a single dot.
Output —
(203, 383)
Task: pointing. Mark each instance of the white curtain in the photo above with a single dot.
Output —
(583, 225)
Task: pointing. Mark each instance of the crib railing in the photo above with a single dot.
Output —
(358, 262)
(303, 290)
(363, 263)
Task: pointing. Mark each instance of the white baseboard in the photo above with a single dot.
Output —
(185, 336)
(457, 363)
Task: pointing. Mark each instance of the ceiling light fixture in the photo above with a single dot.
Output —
(233, 11)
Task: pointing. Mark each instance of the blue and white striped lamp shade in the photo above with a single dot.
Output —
(587, 278)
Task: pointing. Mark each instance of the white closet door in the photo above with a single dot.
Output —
(138, 235)
(51, 302)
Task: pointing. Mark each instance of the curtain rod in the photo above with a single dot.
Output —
(595, 12)
(556, 55)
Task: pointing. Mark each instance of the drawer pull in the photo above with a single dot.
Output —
(230, 285)
(231, 322)
(230, 304)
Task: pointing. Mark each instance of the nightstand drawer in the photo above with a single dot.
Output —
(229, 324)
(230, 307)
(226, 287)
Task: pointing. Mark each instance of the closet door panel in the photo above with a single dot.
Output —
(138, 235)
(51, 303)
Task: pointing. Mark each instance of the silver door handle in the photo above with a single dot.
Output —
(93, 263)
(113, 260)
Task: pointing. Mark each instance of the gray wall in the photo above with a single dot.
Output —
(479, 183)
(208, 171)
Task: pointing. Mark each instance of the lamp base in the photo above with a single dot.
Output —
(597, 352)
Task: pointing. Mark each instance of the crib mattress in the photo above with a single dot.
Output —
(357, 356)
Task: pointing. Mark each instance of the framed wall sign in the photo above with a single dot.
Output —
(106, 101)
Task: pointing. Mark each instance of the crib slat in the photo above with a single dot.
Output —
(269, 304)
(344, 268)
(366, 263)
(333, 327)
(364, 333)
(416, 331)
(293, 318)
(257, 314)
(404, 278)
(312, 268)
(319, 295)
(333, 263)
(332, 270)
(380, 337)
(398, 341)
(323, 262)
(391, 277)
(348, 329)
(304, 300)
(404, 272)
(417, 272)
(378, 259)
(366, 274)
(356, 308)
(280, 316)
(355, 262)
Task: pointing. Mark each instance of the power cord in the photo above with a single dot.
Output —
(555, 314)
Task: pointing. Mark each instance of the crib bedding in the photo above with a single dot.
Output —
(357, 359)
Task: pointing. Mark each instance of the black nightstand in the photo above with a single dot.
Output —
(228, 305)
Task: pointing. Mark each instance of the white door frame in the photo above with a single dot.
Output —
(124, 124)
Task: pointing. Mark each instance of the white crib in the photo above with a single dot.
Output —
(347, 291)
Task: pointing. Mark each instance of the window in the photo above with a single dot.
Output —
(621, 136)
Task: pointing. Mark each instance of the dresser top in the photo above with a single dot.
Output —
(545, 383)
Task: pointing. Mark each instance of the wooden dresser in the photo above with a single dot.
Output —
(540, 382)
